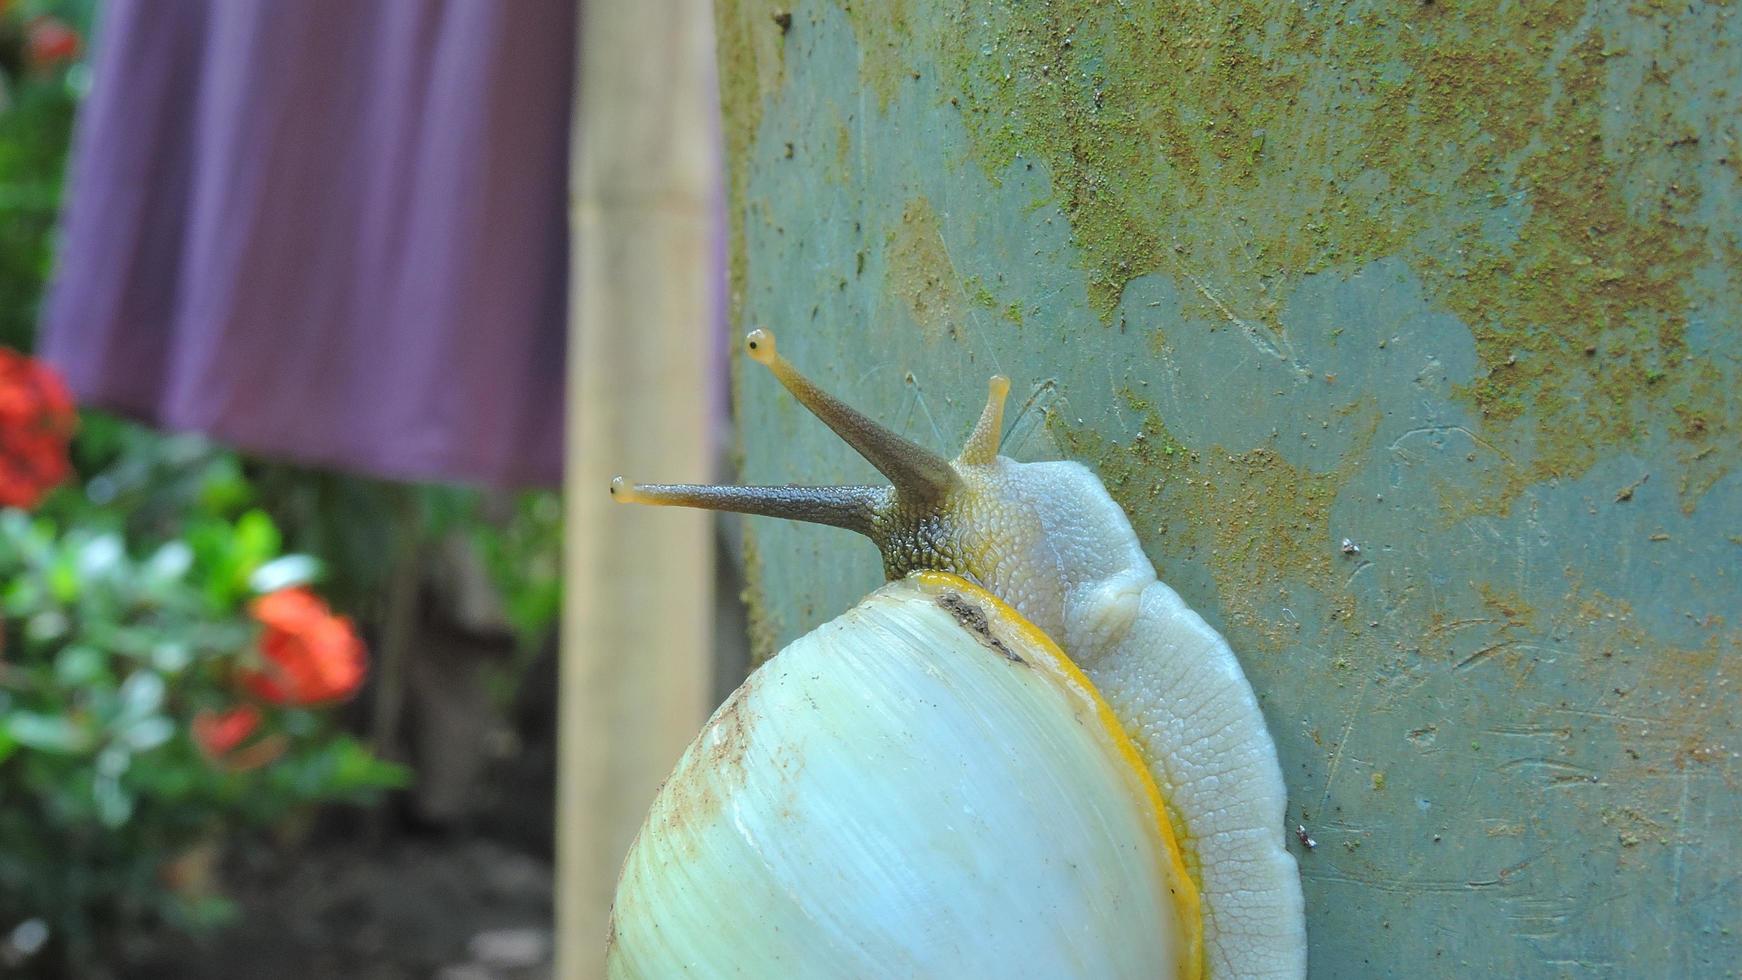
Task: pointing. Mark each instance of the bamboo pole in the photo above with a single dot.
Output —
(636, 630)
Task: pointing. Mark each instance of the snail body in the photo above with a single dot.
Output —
(1044, 553)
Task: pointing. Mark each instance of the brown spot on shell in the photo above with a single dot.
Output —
(974, 620)
(716, 767)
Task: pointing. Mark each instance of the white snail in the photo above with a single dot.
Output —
(928, 787)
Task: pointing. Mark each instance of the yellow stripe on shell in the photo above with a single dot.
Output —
(1070, 676)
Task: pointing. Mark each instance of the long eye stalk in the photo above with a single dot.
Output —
(854, 508)
(917, 472)
(922, 479)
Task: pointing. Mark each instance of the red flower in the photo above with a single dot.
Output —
(217, 733)
(36, 423)
(311, 655)
(49, 41)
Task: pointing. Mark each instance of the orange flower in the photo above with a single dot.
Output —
(311, 655)
(217, 733)
(36, 423)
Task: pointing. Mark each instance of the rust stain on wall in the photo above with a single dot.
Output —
(1243, 146)
(920, 274)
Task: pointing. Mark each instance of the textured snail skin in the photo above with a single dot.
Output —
(1048, 540)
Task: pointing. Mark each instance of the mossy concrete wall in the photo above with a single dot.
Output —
(1460, 283)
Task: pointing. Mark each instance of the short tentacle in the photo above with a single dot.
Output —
(853, 508)
(982, 446)
(917, 472)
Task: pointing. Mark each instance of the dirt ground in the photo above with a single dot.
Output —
(449, 880)
(411, 908)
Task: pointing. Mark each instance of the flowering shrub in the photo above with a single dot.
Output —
(139, 718)
(153, 698)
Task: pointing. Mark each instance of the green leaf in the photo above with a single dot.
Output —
(114, 804)
(25, 597)
(63, 579)
(357, 769)
(170, 562)
(14, 525)
(80, 666)
(102, 557)
(50, 624)
(141, 694)
(205, 913)
(342, 768)
(171, 656)
(283, 573)
(223, 488)
(257, 540)
(113, 762)
(47, 733)
(148, 733)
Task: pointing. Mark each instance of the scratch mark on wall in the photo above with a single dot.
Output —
(1343, 742)
(1551, 772)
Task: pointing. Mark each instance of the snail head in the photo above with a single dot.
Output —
(935, 514)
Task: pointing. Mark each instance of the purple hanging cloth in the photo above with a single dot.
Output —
(327, 230)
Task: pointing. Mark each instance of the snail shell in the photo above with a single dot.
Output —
(1057, 559)
(925, 786)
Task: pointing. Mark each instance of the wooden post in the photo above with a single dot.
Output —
(636, 629)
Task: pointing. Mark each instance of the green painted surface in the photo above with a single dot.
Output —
(1459, 282)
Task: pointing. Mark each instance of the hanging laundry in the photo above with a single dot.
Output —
(330, 231)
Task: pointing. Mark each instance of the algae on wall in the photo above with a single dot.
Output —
(1458, 282)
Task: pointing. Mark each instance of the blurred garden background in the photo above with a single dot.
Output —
(258, 717)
